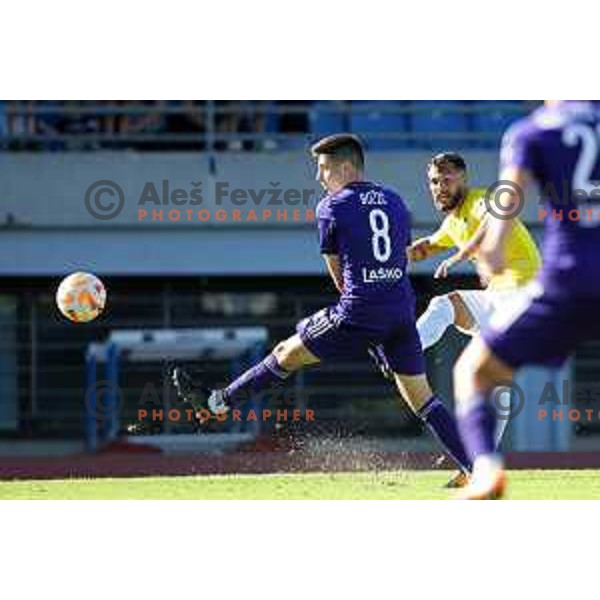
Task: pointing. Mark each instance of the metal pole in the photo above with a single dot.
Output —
(33, 364)
(112, 375)
(91, 433)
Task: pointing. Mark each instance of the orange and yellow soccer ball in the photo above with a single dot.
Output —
(81, 297)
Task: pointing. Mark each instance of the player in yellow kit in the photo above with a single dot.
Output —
(463, 228)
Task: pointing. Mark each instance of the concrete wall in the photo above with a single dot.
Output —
(48, 228)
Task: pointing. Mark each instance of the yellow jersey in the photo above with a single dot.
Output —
(522, 254)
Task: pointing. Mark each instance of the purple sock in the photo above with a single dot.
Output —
(442, 424)
(257, 379)
(477, 426)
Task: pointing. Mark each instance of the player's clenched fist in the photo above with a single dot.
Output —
(419, 250)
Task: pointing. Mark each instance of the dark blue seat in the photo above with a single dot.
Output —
(491, 117)
(271, 118)
(432, 119)
(376, 122)
(327, 117)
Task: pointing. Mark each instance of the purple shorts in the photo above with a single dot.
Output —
(547, 331)
(330, 337)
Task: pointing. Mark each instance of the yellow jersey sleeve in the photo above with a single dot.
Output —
(442, 236)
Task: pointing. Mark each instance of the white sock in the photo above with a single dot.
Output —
(435, 320)
(486, 466)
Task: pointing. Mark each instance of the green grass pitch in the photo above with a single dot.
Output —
(401, 485)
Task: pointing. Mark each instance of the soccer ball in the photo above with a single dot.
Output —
(81, 297)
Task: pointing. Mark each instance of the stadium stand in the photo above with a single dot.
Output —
(230, 125)
(380, 124)
(328, 117)
(436, 121)
(494, 117)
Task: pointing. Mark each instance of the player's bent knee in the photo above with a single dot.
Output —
(281, 349)
(283, 353)
(414, 389)
(292, 354)
(462, 315)
(278, 350)
(456, 301)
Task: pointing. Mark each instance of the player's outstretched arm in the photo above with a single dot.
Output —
(472, 246)
(423, 249)
(467, 251)
(335, 270)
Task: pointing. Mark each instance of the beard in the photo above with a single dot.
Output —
(449, 204)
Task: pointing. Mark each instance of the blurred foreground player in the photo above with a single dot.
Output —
(364, 230)
(558, 146)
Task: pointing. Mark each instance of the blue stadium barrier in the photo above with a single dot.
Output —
(432, 117)
(496, 118)
(375, 121)
(385, 125)
(327, 117)
(271, 124)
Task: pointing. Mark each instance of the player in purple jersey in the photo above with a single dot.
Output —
(364, 230)
(558, 146)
